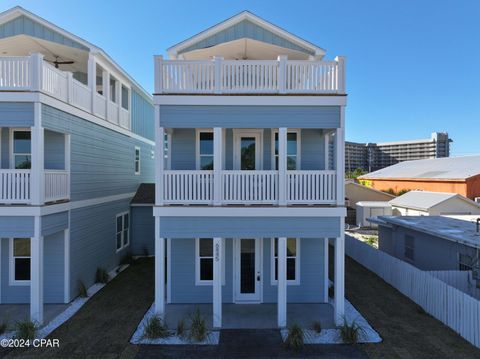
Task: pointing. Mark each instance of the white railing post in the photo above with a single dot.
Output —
(282, 166)
(217, 165)
(92, 79)
(36, 71)
(340, 74)
(282, 73)
(218, 73)
(158, 67)
(69, 87)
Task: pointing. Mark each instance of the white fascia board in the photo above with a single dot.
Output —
(207, 100)
(167, 211)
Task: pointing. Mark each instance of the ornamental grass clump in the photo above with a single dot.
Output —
(26, 330)
(102, 276)
(155, 329)
(351, 333)
(317, 327)
(198, 328)
(82, 289)
(295, 337)
(181, 328)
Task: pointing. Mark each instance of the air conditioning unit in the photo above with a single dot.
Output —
(477, 199)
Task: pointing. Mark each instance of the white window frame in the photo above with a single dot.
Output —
(197, 145)
(11, 154)
(137, 148)
(274, 281)
(12, 280)
(122, 214)
(198, 281)
(298, 131)
(237, 134)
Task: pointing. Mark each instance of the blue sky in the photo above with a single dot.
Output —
(413, 65)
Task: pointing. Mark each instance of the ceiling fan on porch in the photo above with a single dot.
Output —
(57, 63)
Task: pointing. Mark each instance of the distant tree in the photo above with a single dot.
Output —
(355, 173)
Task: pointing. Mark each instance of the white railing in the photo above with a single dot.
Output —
(82, 96)
(14, 73)
(57, 185)
(31, 73)
(99, 105)
(311, 187)
(458, 310)
(14, 186)
(249, 76)
(54, 82)
(187, 187)
(249, 187)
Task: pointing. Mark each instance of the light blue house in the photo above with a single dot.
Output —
(75, 142)
(245, 197)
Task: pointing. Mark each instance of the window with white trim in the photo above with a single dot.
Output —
(21, 149)
(293, 149)
(204, 261)
(123, 230)
(20, 257)
(205, 150)
(293, 261)
(137, 160)
(125, 97)
(409, 247)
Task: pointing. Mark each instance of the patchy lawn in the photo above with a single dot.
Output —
(405, 328)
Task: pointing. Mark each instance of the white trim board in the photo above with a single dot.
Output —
(283, 100)
(206, 211)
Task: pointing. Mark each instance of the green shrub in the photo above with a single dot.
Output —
(26, 329)
(390, 191)
(181, 328)
(198, 328)
(402, 191)
(295, 337)
(82, 289)
(3, 327)
(317, 327)
(372, 241)
(101, 276)
(155, 328)
(351, 333)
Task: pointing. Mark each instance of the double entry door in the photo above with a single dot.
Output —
(247, 270)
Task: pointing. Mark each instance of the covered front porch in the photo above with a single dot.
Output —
(253, 316)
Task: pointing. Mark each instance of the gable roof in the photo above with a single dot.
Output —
(244, 16)
(425, 200)
(68, 39)
(448, 168)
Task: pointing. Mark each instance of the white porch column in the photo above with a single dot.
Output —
(159, 271)
(339, 275)
(217, 60)
(282, 282)
(217, 165)
(159, 157)
(326, 281)
(282, 73)
(106, 91)
(36, 273)
(36, 70)
(340, 158)
(217, 282)
(282, 166)
(37, 176)
(92, 78)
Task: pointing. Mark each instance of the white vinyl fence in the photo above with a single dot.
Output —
(452, 307)
(462, 280)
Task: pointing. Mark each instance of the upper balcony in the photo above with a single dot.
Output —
(219, 76)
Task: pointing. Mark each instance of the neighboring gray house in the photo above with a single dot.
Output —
(431, 242)
(426, 203)
(76, 140)
(246, 201)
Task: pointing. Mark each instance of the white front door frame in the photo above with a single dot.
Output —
(257, 297)
(258, 135)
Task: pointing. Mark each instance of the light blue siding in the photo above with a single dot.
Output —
(13, 226)
(183, 149)
(92, 241)
(246, 29)
(102, 161)
(183, 285)
(23, 25)
(249, 227)
(54, 223)
(143, 230)
(142, 114)
(53, 272)
(54, 150)
(176, 116)
(312, 149)
(16, 114)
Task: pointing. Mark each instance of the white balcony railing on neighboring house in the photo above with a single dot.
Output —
(16, 188)
(249, 187)
(31, 73)
(280, 76)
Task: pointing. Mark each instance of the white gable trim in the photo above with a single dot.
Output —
(245, 15)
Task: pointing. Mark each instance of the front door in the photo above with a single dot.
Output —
(247, 150)
(247, 270)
